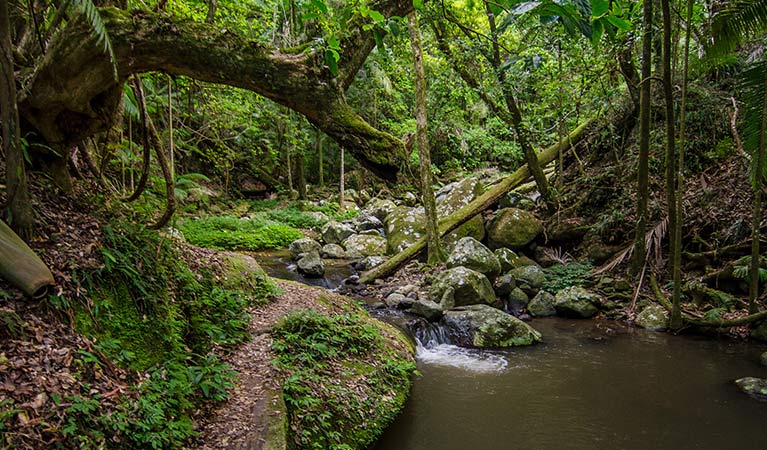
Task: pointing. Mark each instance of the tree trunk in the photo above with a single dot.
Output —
(640, 248)
(321, 169)
(19, 208)
(675, 321)
(341, 206)
(212, 4)
(753, 270)
(301, 173)
(435, 254)
(477, 206)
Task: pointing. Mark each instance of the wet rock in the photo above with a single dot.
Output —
(504, 285)
(507, 258)
(653, 317)
(336, 232)
(576, 302)
(513, 228)
(542, 305)
(398, 301)
(311, 265)
(380, 208)
(760, 332)
(404, 226)
(516, 200)
(763, 359)
(459, 287)
(529, 278)
(427, 309)
(487, 327)
(359, 245)
(518, 301)
(470, 253)
(303, 245)
(333, 251)
(753, 387)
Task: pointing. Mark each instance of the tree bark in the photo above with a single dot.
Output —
(478, 205)
(212, 4)
(341, 200)
(640, 248)
(74, 94)
(753, 270)
(321, 169)
(435, 254)
(19, 208)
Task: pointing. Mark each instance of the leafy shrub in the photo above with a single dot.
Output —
(231, 233)
(562, 276)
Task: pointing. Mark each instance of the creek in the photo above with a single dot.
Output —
(590, 385)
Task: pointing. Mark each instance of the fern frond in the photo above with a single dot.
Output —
(740, 20)
(91, 12)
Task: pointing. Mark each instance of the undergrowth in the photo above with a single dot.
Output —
(148, 312)
(562, 276)
(343, 383)
(231, 233)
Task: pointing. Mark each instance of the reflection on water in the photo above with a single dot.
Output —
(586, 387)
(278, 264)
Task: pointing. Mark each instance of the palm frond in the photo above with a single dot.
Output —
(653, 241)
(740, 20)
(91, 12)
(751, 87)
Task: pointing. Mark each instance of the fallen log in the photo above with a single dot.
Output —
(21, 266)
(476, 206)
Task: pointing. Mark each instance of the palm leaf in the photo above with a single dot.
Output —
(653, 241)
(91, 12)
(751, 86)
(741, 20)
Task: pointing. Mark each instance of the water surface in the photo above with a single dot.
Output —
(589, 386)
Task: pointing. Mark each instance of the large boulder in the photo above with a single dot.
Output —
(404, 226)
(487, 327)
(302, 246)
(542, 305)
(427, 309)
(311, 265)
(507, 258)
(760, 332)
(576, 302)
(504, 284)
(653, 317)
(529, 278)
(460, 286)
(455, 196)
(360, 245)
(513, 228)
(475, 228)
(380, 208)
(333, 251)
(754, 387)
(470, 253)
(336, 232)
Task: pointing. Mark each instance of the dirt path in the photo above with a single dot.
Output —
(239, 422)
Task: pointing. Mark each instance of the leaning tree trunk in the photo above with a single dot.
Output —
(19, 208)
(435, 254)
(476, 206)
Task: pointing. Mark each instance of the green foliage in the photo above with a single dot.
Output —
(739, 20)
(231, 233)
(742, 269)
(91, 12)
(562, 276)
(343, 384)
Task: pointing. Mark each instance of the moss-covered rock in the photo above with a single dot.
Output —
(427, 309)
(311, 265)
(336, 232)
(576, 302)
(380, 208)
(333, 251)
(542, 305)
(753, 387)
(653, 317)
(460, 287)
(529, 278)
(303, 245)
(470, 253)
(360, 245)
(760, 332)
(507, 258)
(513, 228)
(487, 327)
(404, 226)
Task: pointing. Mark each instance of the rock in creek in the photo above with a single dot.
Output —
(754, 387)
(542, 305)
(576, 302)
(760, 333)
(529, 278)
(427, 309)
(333, 251)
(487, 327)
(311, 265)
(504, 285)
(653, 317)
(470, 253)
(763, 359)
(336, 232)
(518, 301)
(460, 286)
(303, 245)
(360, 245)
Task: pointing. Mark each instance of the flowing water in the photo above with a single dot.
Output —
(588, 386)
(277, 263)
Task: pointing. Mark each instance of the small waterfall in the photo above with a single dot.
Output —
(434, 347)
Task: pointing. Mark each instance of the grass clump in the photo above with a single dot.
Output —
(344, 380)
(231, 233)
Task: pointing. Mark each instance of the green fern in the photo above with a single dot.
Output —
(741, 20)
(93, 17)
(751, 85)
